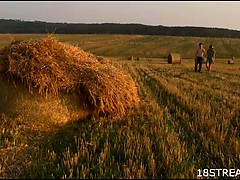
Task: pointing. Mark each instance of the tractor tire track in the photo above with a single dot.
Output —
(163, 137)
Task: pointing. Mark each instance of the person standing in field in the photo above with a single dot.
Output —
(210, 57)
(199, 56)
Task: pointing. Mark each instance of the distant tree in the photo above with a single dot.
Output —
(20, 26)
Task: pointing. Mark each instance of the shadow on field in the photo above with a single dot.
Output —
(64, 135)
(67, 134)
(54, 147)
(83, 139)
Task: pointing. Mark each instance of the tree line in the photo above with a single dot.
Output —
(40, 27)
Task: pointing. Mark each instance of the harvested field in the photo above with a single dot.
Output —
(186, 122)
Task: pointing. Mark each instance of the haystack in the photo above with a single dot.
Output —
(62, 81)
(230, 61)
(131, 58)
(174, 58)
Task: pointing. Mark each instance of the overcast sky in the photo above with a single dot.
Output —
(221, 14)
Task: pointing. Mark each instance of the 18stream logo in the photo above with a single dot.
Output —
(218, 172)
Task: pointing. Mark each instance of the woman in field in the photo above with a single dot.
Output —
(210, 57)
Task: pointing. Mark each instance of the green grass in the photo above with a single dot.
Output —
(186, 121)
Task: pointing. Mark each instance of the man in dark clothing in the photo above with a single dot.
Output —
(199, 56)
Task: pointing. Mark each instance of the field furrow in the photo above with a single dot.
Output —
(185, 120)
(199, 124)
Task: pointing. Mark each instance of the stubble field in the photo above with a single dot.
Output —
(186, 121)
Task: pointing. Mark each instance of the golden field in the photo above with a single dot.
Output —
(185, 121)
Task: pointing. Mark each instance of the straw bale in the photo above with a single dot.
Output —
(230, 61)
(174, 58)
(131, 58)
(48, 67)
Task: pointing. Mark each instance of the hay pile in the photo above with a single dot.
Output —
(230, 61)
(174, 58)
(53, 69)
(131, 58)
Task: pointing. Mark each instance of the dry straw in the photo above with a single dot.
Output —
(131, 58)
(230, 61)
(50, 69)
(174, 58)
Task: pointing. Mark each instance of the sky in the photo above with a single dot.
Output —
(217, 14)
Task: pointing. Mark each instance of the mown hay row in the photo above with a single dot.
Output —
(50, 67)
